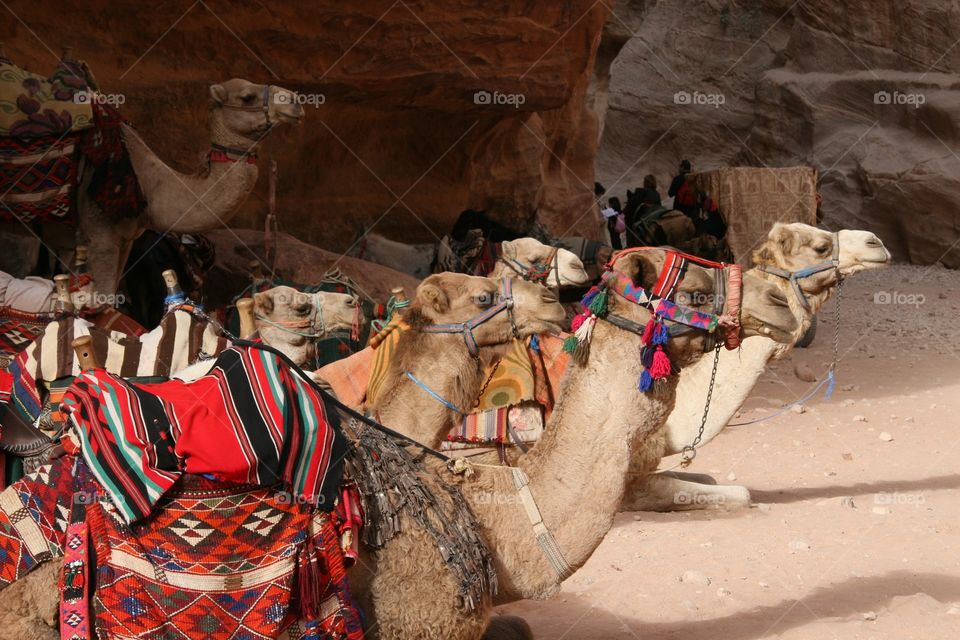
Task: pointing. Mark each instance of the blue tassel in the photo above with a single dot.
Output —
(831, 383)
(535, 343)
(660, 334)
(646, 356)
(646, 381)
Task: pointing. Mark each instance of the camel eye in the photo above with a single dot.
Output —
(248, 98)
(823, 248)
(302, 308)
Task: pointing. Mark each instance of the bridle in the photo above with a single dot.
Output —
(682, 319)
(504, 305)
(538, 272)
(794, 277)
(310, 322)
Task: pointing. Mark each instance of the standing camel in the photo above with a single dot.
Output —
(241, 116)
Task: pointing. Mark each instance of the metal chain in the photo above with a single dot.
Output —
(689, 452)
(483, 389)
(836, 329)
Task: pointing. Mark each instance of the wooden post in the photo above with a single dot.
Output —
(175, 294)
(83, 347)
(80, 258)
(67, 54)
(63, 304)
(248, 326)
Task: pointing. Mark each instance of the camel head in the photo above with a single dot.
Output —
(456, 298)
(526, 256)
(764, 308)
(243, 112)
(798, 246)
(292, 321)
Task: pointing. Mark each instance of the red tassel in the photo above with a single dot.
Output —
(311, 578)
(647, 337)
(661, 365)
(577, 321)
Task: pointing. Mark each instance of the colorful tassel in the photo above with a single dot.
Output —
(577, 321)
(584, 335)
(598, 306)
(661, 365)
(661, 335)
(646, 381)
(646, 356)
(647, 337)
(570, 344)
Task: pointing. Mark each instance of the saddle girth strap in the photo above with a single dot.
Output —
(546, 540)
(75, 576)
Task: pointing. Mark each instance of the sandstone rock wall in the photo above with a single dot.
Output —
(400, 141)
(866, 91)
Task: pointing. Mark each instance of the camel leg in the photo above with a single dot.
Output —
(508, 628)
(29, 607)
(662, 492)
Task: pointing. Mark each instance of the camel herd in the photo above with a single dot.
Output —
(542, 509)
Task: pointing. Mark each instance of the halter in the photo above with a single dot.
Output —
(505, 304)
(538, 272)
(655, 334)
(794, 277)
(291, 326)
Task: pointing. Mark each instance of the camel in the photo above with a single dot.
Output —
(578, 475)
(791, 247)
(516, 257)
(241, 115)
(291, 321)
(443, 362)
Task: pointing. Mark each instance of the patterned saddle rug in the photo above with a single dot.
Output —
(215, 561)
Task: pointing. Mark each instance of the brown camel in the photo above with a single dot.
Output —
(241, 115)
(442, 361)
(790, 247)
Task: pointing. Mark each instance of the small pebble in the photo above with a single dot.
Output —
(723, 593)
(908, 419)
(886, 437)
(694, 578)
(870, 616)
(798, 408)
(799, 545)
(859, 418)
(731, 476)
(764, 585)
(846, 455)
(804, 372)
(880, 511)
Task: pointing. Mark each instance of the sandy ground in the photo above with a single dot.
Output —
(855, 529)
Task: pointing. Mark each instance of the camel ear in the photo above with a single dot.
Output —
(764, 255)
(218, 93)
(786, 238)
(641, 269)
(263, 301)
(435, 297)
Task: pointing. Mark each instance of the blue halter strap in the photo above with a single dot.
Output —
(794, 277)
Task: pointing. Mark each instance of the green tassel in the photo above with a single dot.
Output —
(598, 306)
(570, 344)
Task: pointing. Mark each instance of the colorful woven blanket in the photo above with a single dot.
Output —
(37, 178)
(217, 561)
(18, 330)
(250, 420)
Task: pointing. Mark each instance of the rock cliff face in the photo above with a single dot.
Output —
(865, 91)
(416, 111)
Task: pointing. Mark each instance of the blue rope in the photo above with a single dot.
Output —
(436, 396)
(830, 381)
